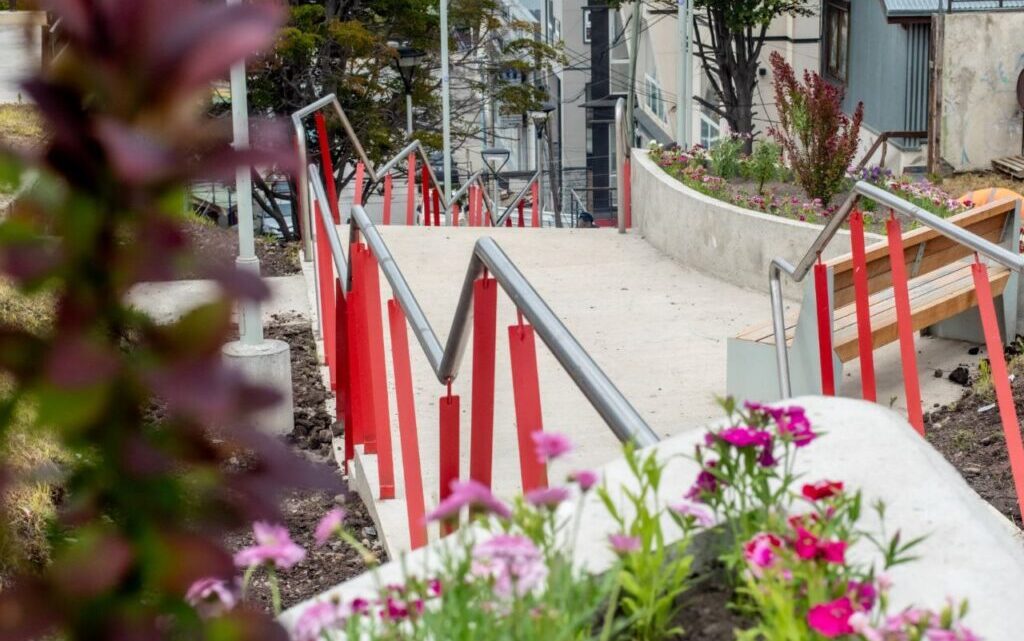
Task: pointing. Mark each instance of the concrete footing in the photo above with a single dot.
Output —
(269, 364)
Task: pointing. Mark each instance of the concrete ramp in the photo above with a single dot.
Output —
(658, 331)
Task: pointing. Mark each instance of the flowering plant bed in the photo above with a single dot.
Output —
(779, 545)
(737, 183)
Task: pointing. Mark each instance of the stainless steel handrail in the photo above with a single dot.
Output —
(886, 200)
(515, 201)
(620, 416)
(374, 174)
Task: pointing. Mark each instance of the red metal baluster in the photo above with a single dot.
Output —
(535, 197)
(437, 208)
(407, 431)
(449, 450)
(357, 196)
(343, 389)
(627, 184)
(1000, 378)
(526, 390)
(508, 221)
(328, 166)
(485, 308)
(425, 187)
(356, 351)
(455, 214)
(904, 323)
(522, 208)
(387, 199)
(410, 196)
(821, 297)
(325, 285)
(426, 207)
(860, 289)
(379, 436)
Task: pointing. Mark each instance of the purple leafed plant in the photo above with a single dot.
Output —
(145, 498)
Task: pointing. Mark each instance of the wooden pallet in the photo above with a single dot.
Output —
(1012, 166)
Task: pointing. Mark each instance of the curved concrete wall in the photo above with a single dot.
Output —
(729, 242)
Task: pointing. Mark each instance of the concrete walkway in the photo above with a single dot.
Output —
(168, 301)
(657, 329)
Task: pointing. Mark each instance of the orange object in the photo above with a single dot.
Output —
(986, 196)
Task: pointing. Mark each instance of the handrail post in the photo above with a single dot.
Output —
(620, 162)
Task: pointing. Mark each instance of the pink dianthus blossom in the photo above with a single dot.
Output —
(319, 618)
(550, 445)
(831, 619)
(760, 552)
(274, 546)
(329, 525)
(699, 512)
(585, 478)
(512, 562)
(211, 597)
(547, 496)
(471, 494)
(623, 543)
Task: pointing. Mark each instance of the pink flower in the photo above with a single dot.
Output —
(822, 490)
(623, 543)
(319, 618)
(211, 597)
(547, 496)
(585, 478)
(274, 545)
(471, 494)
(861, 624)
(329, 525)
(512, 562)
(831, 619)
(793, 423)
(805, 544)
(744, 436)
(699, 513)
(550, 445)
(706, 483)
(862, 594)
(833, 551)
(760, 552)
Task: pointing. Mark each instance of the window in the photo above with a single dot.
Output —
(654, 100)
(709, 131)
(837, 39)
(586, 26)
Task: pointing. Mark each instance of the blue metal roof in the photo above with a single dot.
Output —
(895, 8)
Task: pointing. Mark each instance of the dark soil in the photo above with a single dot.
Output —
(973, 442)
(219, 246)
(706, 614)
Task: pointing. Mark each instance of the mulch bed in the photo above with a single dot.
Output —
(706, 614)
(313, 423)
(973, 442)
(219, 246)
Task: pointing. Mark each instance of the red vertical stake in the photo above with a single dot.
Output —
(437, 208)
(535, 197)
(522, 208)
(904, 323)
(425, 187)
(343, 389)
(327, 166)
(379, 437)
(526, 390)
(479, 206)
(387, 199)
(426, 207)
(325, 285)
(485, 314)
(821, 297)
(410, 195)
(407, 432)
(357, 196)
(455, 214)
(860, 290)
(627, 184)
(1000, 379)
(449, 449)
(508, 221)
(356, 352)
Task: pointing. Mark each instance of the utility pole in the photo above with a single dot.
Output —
(685, 88)
(638, 8)
(446, 104)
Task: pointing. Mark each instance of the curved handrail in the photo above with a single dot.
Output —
(863, 189)
(620, 416)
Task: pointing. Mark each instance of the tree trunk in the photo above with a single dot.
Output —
(268, 202)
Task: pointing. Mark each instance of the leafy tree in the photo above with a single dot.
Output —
(730, 52)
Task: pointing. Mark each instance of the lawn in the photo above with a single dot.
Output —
(20, 126)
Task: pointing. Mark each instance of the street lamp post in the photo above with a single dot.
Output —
(495, 158)
(540, 119)
(406, 61)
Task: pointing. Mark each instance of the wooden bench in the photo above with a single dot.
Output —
(942, 299)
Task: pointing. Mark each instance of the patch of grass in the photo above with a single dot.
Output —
(962, 439)
(20, 125)
(982, 385)
(959, 184)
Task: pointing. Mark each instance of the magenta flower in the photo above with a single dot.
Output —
(794, 424)
(512, 562)
(585, 478)
(691, 510)
(318, 619)
(706, 483)
(860, 622)
(862, 594)
(833, 551)
(550, 445)
(805, 543)
(744, 436)
(822, 490)
(211, 597)
(329, 525)
(274, 546)
(547, 496)
(472, 494)
(623, 543)
(760, 552)
(831, 619)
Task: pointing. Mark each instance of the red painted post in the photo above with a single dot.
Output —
(387, 199)
(425, 187)
(379, 436)
(521, 222)
(410, 196)
(821, 297)
(437, 208)
(343, 389)
(426, 207)
(535, 197)
(508, 221)
(485, 313)
(356, 352)
(1000, 378)
(860, 289)
(904, 323)
(526, 390)
(455, 214)
(448, 450)
(407, 432)
(479, 206)
(357, 196)
(325, 285)
(327, 165)
(627, 184)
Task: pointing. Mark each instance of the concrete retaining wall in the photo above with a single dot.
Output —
(726, 241)
(20, 50)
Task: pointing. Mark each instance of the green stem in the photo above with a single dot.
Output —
(609, 614)
(275, 591)
(247, 579)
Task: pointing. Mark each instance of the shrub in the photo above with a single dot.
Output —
(724, 157)
(818, 138)
(763, 165)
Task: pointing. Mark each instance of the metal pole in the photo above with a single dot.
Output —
(446, 104)
(408, 115)
(633, 55)
(684, 90)
(620, 161)
(251, 316)
(540, 171)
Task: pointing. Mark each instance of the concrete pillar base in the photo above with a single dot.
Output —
(267, 363)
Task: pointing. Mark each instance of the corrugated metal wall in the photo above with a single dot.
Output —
(917, 80)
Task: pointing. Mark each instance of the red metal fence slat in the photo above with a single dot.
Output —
(904, 324)
(387, 199)
(379, 436)
(455, 214)
(448, 449)
(410, 195)
(437, 208)
(535, 211)
(521, 222)
(425, 186)
(824, 314)
(1000, 379)
(356, 351)
(485, 312)
(860, 289)
(325, 286)
(526, 391)
(407, 431)
(357, 196)
(343, 389)
(627, 183)
(327, 165)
